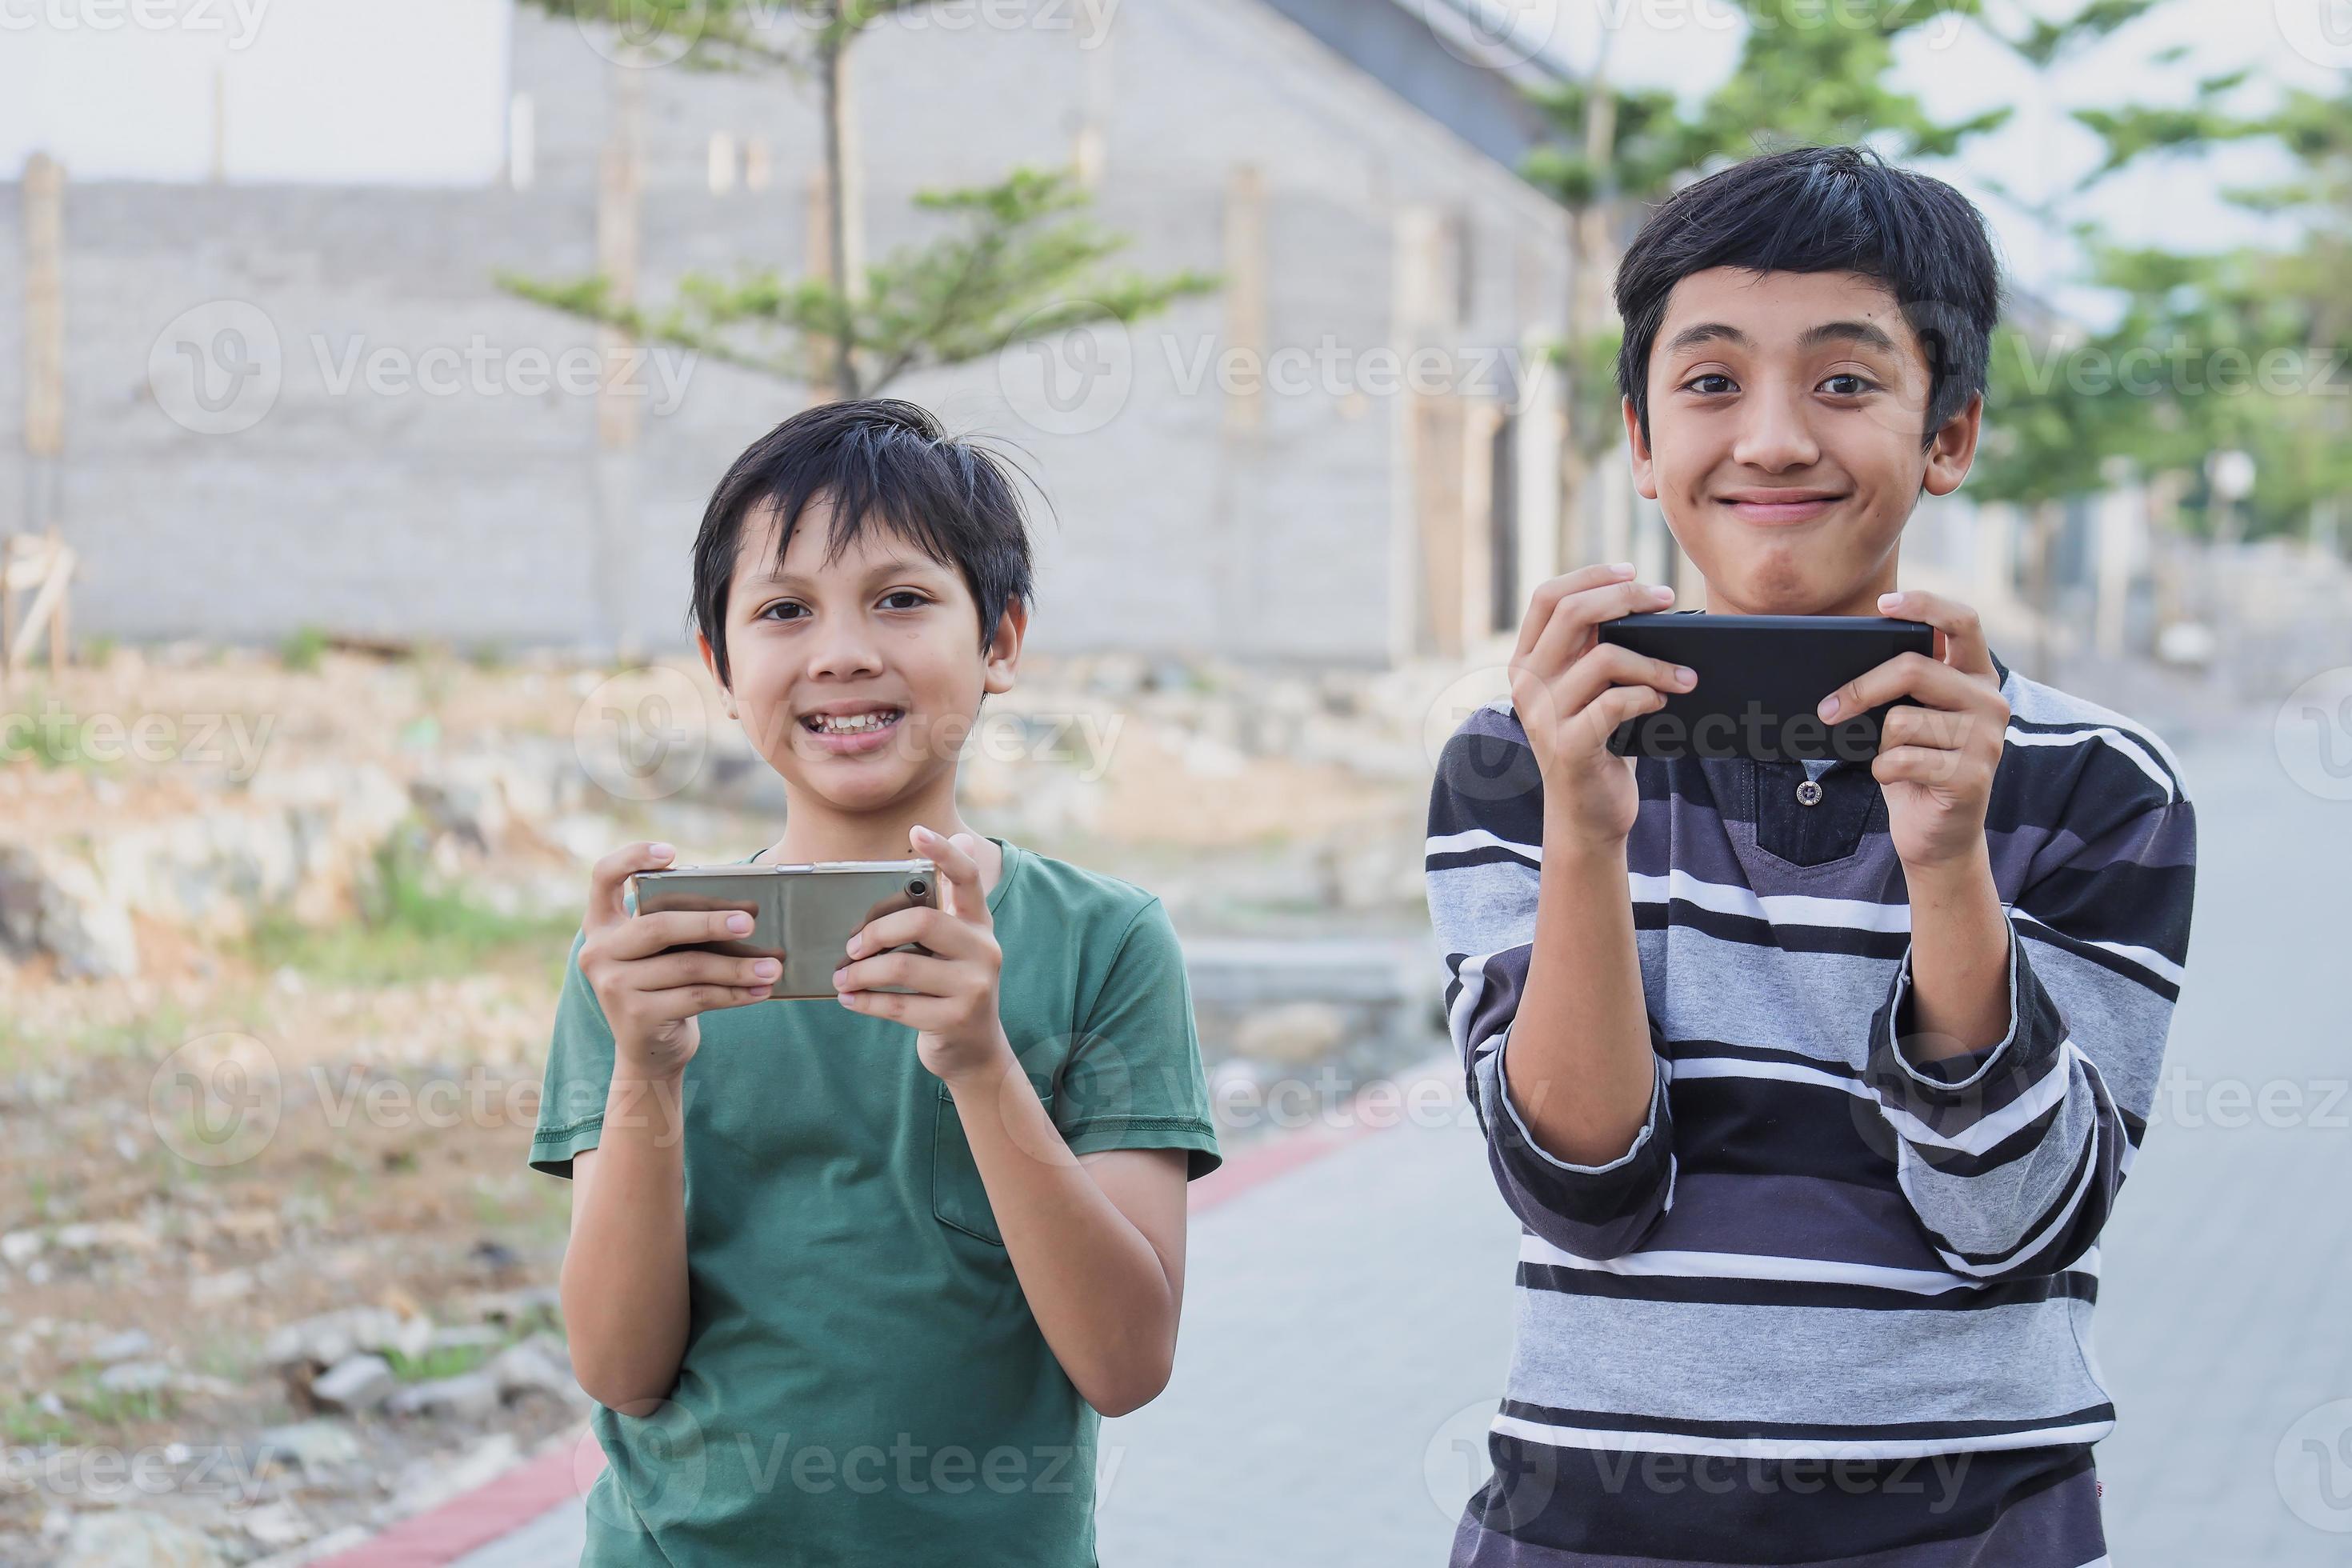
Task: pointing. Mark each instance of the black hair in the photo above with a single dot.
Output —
(1824, 209)
(878, 461)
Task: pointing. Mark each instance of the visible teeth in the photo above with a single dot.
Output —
(851, 724)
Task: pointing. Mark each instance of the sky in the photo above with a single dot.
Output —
(1690, 47)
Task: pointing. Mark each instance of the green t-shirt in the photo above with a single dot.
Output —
(863, 1381)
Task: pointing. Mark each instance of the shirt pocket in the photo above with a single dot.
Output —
(959, 1197)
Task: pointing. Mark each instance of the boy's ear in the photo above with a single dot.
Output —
(1953, 449)
(1003, 654)
(711, 663)
(1645, 478)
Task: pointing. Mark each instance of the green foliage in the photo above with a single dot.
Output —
(1806, 83)
(30, 730)
(1025, 263)
(448, 1360)
(2244, 349)
(1590, 364)
(27, 1423)
(114, 1407)
(408, 929)
(730, 35)
(1798, 82)
(1650, 144)
(2041, 42)
(302, 650)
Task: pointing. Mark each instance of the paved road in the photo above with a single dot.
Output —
(1347, 1324)
(2225, 1312)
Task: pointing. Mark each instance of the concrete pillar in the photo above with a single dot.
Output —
(618, 416)
(2118, 544)
(43, 196)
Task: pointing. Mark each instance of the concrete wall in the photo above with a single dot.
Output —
(473, 516)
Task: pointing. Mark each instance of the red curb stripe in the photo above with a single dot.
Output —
(1264, 1164)
(507, 1503)
(1282, 1155)
(498, 1506)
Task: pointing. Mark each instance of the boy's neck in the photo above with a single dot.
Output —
(815, 831)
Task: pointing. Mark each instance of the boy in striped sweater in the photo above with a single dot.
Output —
(1811, 1084)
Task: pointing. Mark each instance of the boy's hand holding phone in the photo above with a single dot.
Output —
(651, 995)
(1570, 691)
(1935, 759)
(950, 993)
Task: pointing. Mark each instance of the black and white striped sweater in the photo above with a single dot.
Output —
(1819, 1262)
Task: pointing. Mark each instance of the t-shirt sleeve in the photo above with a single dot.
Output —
(579, 1074)
(1133, 1077)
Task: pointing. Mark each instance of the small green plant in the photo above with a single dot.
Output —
(115, 1406)
(40, 730)
(448, 1360)
(28, 1425)
(408, 929)
(301, 651)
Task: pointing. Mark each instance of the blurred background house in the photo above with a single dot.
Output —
(364, 368)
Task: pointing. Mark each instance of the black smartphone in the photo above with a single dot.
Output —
(1760, 682)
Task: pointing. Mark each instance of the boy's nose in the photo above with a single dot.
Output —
(843, 653)
(1774, 437)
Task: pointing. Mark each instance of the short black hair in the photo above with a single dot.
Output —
(1824, 209)
(882, 461)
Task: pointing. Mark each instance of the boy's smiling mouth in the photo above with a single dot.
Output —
(852, 727)
(1773, 505)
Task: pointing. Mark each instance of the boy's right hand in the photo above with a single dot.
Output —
(651, 997)
(1571, 691)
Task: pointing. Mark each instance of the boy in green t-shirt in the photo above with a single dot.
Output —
(853, 1281)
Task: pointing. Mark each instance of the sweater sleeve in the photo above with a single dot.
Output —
(1484, 855)
(2012, 1156)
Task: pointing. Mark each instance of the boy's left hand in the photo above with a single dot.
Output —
(950, 1001)
(1936, 761)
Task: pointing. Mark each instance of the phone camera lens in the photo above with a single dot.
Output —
(916, 890)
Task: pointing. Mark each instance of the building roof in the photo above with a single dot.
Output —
(1432, 56)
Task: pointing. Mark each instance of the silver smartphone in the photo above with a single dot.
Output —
(804, 916)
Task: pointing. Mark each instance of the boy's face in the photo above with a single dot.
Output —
(1786, 412)
(856, 679)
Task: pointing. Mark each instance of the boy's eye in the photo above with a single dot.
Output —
(1861, 384)
(1696, 384)
(903, 599)
(798, 610)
